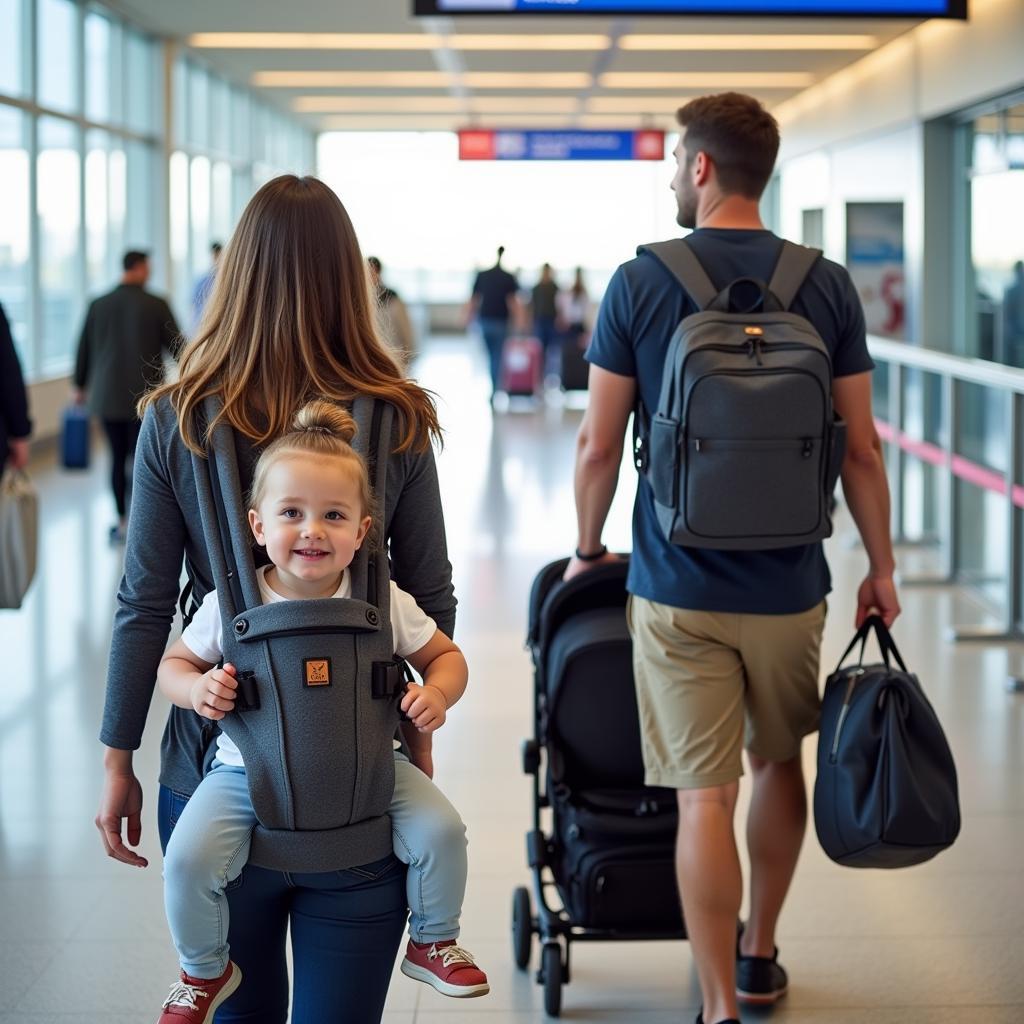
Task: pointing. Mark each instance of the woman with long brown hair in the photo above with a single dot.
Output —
(290, 319)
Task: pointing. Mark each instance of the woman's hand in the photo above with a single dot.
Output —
(213, 693)
(425, 706)
(121, 798)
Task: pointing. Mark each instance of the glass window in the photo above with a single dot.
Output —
(14, 230)
(179, 86)
(220, 114)
(140, 203)
(199, 205)
(58, 55)
(198, 107)
(12, 66)
(140, 108)
(59, 211)
(997, 236)
(179, 229)
(101, 67)
(241, 113)
(221, 217)
(104, 209)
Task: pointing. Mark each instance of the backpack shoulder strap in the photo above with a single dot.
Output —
(681, 262)
(794, 264)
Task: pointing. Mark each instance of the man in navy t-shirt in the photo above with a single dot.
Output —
(495, 302)
(727, 643)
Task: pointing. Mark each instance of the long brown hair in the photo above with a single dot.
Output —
(290, 319)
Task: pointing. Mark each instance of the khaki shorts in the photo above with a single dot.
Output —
(709, 684)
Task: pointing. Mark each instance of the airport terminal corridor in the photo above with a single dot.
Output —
(939, 943)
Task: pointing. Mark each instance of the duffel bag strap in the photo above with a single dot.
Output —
(886, 644)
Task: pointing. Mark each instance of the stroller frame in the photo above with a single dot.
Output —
(553, 923)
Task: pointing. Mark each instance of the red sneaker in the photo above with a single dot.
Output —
(195, 1000)
(446, 966)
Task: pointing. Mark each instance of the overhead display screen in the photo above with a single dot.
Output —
(853, 8)
(481, 144)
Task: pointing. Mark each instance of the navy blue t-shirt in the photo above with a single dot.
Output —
(639, 314)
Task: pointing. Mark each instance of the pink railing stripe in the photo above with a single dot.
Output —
(965, 469)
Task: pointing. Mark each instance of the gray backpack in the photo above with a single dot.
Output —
(316, 710)
(744, 450)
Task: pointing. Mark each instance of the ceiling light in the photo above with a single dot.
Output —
(422, 79)
(379, 104)
(706, 79)
(525, 105)
(352, 79)
(313, 41)
(392, 41)
(526, 79)
(748, 42)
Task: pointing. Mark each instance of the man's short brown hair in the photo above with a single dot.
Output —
(739, 135)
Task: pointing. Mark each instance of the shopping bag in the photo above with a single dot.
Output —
(19, 528)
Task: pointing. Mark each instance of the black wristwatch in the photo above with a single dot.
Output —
(593, 557)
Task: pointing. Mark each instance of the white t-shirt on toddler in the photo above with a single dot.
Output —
(411, 626)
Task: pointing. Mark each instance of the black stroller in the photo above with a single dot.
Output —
(609, 854)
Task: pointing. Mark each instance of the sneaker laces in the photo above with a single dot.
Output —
(185, 995)
(452, 955)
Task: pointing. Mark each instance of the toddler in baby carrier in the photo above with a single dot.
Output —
(609, 851)
(300, 662)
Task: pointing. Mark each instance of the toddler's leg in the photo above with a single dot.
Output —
(208, 849)
(430, 837)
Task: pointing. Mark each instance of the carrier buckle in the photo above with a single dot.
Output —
(640, 454)
(248, 695)
(387, 679)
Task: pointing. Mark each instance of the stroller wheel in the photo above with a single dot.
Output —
(522, 927)
(551, 969)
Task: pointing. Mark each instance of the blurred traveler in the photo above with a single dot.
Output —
(204, 286)
(392, 318)
(1013, 317)
(727, 642)
(120, 357)
(574, 307)
(495, 303)
(544, 310)
(15, 426)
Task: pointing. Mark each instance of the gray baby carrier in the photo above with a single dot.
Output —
(316, 710)
(744, 450)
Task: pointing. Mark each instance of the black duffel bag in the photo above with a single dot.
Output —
(886, 792)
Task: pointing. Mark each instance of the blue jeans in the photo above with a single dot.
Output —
(345, 930)
(495, 332)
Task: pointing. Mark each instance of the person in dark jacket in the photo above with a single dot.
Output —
(15, 426)
(120, 357)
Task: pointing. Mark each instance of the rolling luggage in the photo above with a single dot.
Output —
(522, 367)
(74, 438)
(575, 370)
(601, 840)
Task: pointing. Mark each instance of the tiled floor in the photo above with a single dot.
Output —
(83, 940)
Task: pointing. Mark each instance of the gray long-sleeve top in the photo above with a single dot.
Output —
(165, 525)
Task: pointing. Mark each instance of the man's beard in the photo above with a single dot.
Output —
(686, 217)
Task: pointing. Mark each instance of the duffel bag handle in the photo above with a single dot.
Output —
(886, 644)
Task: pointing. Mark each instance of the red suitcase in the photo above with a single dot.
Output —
(522, 367)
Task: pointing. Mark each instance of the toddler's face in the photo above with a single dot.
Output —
(310, 519)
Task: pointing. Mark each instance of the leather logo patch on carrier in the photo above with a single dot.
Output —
(317, 671)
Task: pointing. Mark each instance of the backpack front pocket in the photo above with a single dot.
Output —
(747, 488)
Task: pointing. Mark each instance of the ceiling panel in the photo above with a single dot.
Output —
(631, 102)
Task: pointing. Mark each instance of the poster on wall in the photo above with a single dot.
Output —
(874, 258)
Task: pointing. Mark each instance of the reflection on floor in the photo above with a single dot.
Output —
(83, 939)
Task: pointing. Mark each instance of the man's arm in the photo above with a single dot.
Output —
(598, 457)
(866, 489)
